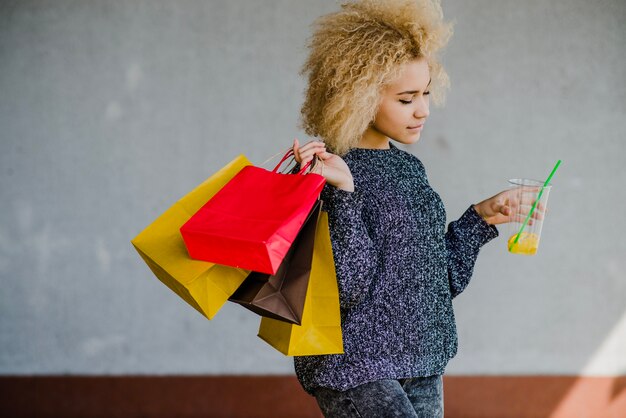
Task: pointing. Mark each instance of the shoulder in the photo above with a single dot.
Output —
(411, 160)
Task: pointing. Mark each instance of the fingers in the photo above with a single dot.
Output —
(520, 214)
(526, 196)
(324, 155)
(538, 212)
(305, 153)
(519, 218)
(521, 198)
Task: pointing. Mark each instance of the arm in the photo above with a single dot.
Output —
(476, 227)
(464, 239)
(356, 257)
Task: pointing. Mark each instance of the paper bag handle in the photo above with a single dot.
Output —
(288, 154)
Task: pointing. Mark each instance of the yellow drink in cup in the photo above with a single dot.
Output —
(527, 243)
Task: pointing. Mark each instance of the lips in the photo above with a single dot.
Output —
(420, 126)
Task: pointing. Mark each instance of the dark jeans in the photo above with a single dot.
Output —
(416, 397)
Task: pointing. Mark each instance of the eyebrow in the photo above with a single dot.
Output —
(414, 91)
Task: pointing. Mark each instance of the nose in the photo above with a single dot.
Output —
(422, 108)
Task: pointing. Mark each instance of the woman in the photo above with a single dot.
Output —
(371, 69)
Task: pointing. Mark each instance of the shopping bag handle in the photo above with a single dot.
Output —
(288, 154)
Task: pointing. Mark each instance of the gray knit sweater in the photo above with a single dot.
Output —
(397, 269)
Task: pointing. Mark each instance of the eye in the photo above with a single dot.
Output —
(406, 101)
(426, 93)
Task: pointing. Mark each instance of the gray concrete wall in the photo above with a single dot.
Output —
(112, 110)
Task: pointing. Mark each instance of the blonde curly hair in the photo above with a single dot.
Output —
(355, 52)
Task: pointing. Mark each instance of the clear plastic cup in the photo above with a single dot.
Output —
(523, 193)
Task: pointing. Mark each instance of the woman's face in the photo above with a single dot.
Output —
(404, 107)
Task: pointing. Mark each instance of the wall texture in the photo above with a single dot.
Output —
(112, 110)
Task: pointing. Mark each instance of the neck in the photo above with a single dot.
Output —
(373, 139)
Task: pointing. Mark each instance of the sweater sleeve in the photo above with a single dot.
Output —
(464, 239)
(356, 257)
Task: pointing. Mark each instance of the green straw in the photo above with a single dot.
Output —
(532, 209)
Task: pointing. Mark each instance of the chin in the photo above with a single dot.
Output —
(409, 140)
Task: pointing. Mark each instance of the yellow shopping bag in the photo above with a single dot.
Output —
(320, 332)
(205, 286)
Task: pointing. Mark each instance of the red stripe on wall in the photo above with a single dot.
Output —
(535, 396)
(282, 396)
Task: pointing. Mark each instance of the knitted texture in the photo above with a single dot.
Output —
(397, 270)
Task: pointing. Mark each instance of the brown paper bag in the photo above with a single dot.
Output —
(281, 296)
(320, 332)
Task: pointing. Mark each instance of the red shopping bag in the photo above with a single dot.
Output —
(253, 220)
